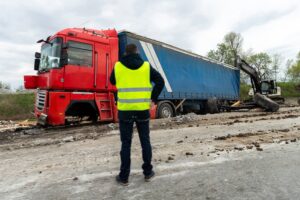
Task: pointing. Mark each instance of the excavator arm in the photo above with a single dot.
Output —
(248, 69)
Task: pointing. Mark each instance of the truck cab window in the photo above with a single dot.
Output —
(50, 54)
(79, 54)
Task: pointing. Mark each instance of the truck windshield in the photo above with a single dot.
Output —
(50, 54)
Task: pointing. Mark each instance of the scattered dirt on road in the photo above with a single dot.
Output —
(27, 137)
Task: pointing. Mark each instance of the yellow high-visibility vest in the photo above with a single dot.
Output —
(134, 87)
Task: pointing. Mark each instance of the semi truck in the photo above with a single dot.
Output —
(74, 66)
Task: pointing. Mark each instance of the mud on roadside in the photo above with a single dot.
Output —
(31, 137)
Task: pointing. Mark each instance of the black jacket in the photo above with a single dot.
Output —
(134, 61)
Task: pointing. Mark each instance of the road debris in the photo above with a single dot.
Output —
(259, 149)
(189, 154)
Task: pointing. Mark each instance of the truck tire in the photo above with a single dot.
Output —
(265, 102)
(165, 110)
(93, 117)
(212, 106)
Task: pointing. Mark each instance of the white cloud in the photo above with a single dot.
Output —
(196, 25)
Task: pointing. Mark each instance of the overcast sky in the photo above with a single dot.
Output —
(197, 25)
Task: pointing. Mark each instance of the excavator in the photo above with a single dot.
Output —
(271, 90)
(264, 87)
(265, 92)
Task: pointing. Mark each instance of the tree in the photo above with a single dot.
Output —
(235, 43)
(293, 71)
(20, 88)
(288, 65)
(4, 86)
(227, 51)
(262, 63)
(276, 62)
(232, 46)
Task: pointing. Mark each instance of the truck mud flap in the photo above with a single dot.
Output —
(265, 102)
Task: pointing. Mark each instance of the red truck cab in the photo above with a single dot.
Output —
(73, 70)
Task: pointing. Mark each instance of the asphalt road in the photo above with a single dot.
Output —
(270, 174)
(189, 161)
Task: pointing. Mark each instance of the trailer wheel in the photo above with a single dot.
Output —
(265, 102)
(212, 106)
(165, 110)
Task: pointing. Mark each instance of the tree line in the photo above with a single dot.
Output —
(267, 66)
(4, 86)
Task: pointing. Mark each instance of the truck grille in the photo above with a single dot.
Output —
(40, 100)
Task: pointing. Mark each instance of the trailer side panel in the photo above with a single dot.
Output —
(186, 75)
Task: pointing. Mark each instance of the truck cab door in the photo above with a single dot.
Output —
(103, 98)
(79, 72)
(102, 66)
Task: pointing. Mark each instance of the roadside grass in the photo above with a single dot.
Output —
(244, 90)
(16, 106)
(289, 89)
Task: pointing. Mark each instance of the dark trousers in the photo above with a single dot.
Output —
(126, 130)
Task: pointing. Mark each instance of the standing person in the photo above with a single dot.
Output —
(132, 77)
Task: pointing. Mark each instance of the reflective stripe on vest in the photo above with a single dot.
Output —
(133, 100)
(134, 87)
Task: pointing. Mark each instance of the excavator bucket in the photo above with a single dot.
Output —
(265, 102)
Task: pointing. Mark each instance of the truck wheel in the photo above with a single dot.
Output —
(212, 106)
(165, 110)
(93, 117)
(265, 102)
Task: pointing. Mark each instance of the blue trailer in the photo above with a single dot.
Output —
(192, 82)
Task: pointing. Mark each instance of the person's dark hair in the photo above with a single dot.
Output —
(130, 49)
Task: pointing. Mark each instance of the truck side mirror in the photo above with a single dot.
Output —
(36, 64)
(37, 55)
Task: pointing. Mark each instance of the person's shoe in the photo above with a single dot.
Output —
(122, 182)
(149, 177)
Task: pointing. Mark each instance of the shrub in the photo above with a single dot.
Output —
(16, 106)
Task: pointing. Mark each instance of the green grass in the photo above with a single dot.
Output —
(16, 106)
(244, 90)
(289, 89)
